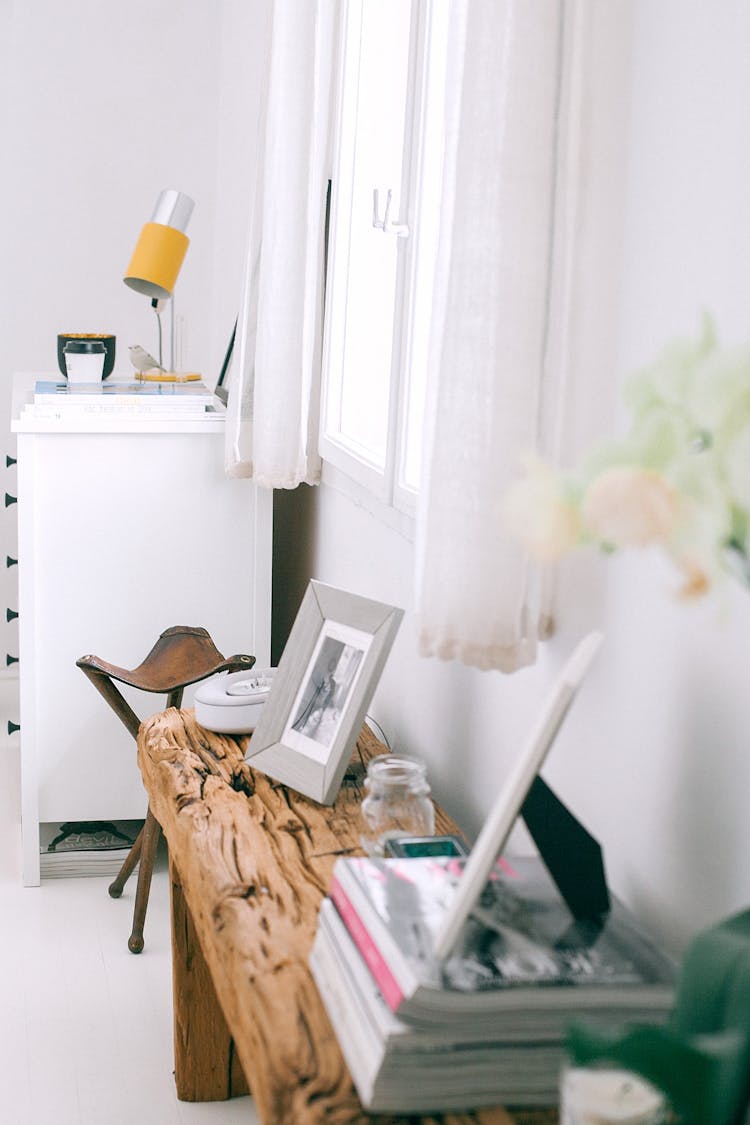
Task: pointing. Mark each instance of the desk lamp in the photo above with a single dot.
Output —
(159, 254)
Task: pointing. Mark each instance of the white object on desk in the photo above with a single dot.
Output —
(127, 526)
(231, 703)
(593, 1096)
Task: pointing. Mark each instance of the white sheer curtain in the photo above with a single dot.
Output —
(498, 347)
(272, 418)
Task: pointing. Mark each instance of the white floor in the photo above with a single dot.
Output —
(85, 1026)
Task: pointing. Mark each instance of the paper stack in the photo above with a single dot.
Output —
(77, 849)
(61, 400)
(487, 1025)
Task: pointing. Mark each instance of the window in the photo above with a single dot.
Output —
(383, 241)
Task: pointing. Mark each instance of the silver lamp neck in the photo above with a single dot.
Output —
(173, 209)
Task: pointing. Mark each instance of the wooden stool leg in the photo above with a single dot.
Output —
(149, 844)
(116, 888)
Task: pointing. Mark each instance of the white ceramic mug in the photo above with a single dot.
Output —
(84, 361)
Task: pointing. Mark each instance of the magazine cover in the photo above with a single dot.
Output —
(520, 935)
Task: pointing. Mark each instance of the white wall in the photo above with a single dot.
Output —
(655, 757)
(104, 104)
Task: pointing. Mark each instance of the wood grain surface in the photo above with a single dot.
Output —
(250, 862)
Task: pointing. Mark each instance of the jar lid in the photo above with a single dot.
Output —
(84, 347)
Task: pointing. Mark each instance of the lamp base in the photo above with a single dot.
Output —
(168, 377)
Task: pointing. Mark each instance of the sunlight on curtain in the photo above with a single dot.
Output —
(272, 417)
(498, 333)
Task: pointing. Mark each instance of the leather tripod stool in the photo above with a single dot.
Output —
(182, 655)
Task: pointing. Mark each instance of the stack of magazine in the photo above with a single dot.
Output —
(75, 849)
(59, 400)
(486, 1025)
(450, 982)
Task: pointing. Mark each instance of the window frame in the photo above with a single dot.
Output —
(342, 459)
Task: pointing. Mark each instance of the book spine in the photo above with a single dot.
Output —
(389, 987)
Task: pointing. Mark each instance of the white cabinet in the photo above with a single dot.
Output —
(8, 582)
(126, 526)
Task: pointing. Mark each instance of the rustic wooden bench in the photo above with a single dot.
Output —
(250, 861)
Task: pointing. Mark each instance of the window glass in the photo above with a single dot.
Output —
(372, 147)
(379, 298)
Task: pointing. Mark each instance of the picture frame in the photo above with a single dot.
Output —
(326, 677)
(503, 814)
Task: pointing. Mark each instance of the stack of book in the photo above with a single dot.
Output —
(59, 400)
(450, 982)
(486, 1025)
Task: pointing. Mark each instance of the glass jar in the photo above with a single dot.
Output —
(397, 802)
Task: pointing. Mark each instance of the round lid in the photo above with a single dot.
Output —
(85, 347)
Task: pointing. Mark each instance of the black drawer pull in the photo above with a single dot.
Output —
(10, 615)
(10, 659)
(10, 562)
(10, 500)
(13, 727)
(9, 461)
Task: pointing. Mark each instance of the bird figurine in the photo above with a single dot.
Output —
(143, 360)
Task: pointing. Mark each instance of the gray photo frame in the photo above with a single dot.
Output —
(326, 677)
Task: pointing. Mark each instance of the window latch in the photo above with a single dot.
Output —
(401, 230)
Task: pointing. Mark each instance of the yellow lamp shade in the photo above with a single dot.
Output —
(156, 260)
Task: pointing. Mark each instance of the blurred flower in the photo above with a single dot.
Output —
(679, 479)
(538, 512)
(696, 580)
(630, 507)
(737, 462)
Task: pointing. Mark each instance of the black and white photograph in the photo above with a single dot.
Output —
(327, 690)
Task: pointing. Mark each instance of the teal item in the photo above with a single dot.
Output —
(701, 1058)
